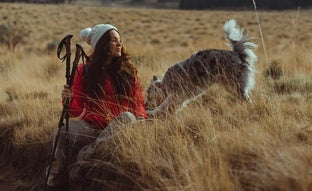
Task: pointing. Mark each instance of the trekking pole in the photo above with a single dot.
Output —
(79, 54)
(65, 113)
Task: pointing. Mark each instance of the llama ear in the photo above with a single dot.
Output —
(155, 78)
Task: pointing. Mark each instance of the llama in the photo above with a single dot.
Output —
(192, 77)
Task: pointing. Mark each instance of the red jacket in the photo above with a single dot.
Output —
(101, 111)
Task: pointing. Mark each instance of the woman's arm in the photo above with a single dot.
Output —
(78, 93)
(140, 111)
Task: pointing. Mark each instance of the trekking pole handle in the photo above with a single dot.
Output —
(65, 42)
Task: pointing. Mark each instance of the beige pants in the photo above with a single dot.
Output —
(81, 136)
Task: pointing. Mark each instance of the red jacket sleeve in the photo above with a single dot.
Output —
(139, 106)
(79, 96)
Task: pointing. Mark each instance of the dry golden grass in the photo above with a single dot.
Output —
(215, 143)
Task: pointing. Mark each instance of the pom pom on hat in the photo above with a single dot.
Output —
(93, 35)
(85, 35)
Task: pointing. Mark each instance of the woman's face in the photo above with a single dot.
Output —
(114, 44)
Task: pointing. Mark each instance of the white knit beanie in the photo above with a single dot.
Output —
(93, 35)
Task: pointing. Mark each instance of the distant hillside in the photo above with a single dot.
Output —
(263, 4)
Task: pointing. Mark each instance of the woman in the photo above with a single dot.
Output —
(106, 94)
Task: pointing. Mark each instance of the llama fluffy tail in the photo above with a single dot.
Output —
(242, 45)
(240, 42)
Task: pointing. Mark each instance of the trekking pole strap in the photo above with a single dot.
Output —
(65, 42)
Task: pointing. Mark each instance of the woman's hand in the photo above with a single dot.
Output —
(67, 93)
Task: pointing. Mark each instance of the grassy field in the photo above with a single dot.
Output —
(215, 143)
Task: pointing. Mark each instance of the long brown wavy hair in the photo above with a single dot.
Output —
(121, 70)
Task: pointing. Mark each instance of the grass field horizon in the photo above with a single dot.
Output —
(216, 143)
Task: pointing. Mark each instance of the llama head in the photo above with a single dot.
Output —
(155, 94)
